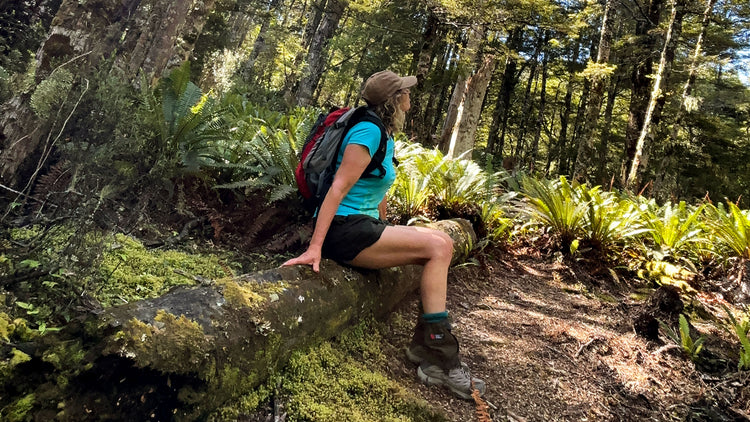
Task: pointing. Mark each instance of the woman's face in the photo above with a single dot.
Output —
(405, 101)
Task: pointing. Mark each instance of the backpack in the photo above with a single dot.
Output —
(317, 164)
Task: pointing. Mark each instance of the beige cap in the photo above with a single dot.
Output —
(382, 85)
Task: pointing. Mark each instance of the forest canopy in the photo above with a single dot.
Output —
(643, 95)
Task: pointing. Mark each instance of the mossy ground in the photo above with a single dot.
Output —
(340, 380)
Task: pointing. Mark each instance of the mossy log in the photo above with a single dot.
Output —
(225, 338)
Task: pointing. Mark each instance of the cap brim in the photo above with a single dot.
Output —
(408, 81)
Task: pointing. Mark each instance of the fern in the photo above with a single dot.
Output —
(691, 348)
(731, 228)
(673, 229)
(555, 205)
(741, 327)
(609, 219)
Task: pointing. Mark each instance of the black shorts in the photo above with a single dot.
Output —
(349, 235)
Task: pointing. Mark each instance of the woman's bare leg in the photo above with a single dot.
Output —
(403, 245)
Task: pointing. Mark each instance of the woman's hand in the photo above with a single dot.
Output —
(356, 158)
(311, 256)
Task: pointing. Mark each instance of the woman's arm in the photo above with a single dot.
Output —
(355, 160)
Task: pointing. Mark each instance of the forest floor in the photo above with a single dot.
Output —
(552, 348)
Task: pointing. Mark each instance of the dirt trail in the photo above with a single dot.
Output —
(553, 349)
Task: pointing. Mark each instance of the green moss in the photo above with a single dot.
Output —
(18, 409)
(135, 273)
(327, 385)
(338, 381)
(245, 404)
(6, 326)
(605, 297)
(16, 358)
(22, 332)
(173, 344)
(240, 295)
(65, 355)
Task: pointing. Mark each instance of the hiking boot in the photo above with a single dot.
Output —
(435, 344)
(458, 379)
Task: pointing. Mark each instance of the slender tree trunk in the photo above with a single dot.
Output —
(458, 98)
(316, 55)
(562, 141)
(463, 136)
(583, 163)
(534, 149)
(528, 103)
(419, 125)
(436, 91)
(640, 82)
(660, 77)
(606, 131)
(496, 137)
(239, 23)
(259, 45)
(666, 179)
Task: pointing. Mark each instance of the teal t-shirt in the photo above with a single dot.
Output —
(367, 193)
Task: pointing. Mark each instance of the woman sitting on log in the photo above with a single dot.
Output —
(350, 228)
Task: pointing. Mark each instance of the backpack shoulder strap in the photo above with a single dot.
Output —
(365, 114)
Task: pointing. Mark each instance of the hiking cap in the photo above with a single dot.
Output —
(382, 85)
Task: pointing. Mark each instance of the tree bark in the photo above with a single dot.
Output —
(463, 137)
(662, 73)
(665, 183)
(640, 82)
(316, 55)
(146, 37)
(419, 125)
(534, 149)
(496, 136)
(259, 45)
(215, 342)
(458, 98)
(584, 159)
(606, 131)
(528, 102)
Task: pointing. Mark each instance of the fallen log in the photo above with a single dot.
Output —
(211, 343)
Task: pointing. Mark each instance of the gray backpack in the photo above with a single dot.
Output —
(317, 164)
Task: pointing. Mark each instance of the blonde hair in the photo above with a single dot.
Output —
(390, 113)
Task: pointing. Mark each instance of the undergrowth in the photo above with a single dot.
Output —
(340, 380)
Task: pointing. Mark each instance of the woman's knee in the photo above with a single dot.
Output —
(442, 246)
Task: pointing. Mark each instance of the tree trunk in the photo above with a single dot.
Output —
(584, 159)
(419, 125)
(213, 343)
(534, 149)
(561, 147)
(239, 23)
(259, 45)
(496, 137)
(316, 54)
(528, 102)
(438, 93)
(640, 81)
(606, 131)
(146, 37)
(665, 183)
(458, 98)
(662, 73)
(463, 136)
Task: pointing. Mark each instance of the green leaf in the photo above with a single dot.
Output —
(24, 305)
(29, 263)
